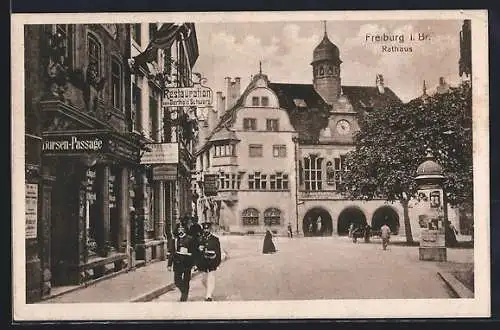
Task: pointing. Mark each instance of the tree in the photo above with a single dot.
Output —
(392, 142)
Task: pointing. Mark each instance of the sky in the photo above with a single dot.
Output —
(285, 49)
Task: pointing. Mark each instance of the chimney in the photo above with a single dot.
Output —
(212, 118)
(219, 108)
(379, 82)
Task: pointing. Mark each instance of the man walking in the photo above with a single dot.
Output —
(182, 248)
(385, 233)
(290, 232)
(208, 258)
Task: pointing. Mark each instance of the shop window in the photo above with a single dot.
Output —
(250, 217)
(272, 216)
(279, 150)
(272, 125)
(255, 150)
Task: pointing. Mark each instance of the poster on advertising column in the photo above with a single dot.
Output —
(31, 210)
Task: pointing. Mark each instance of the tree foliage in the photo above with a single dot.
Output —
(392, 143)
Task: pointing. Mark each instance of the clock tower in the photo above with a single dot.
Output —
(326, 70)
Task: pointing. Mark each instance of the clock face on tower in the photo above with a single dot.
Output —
(343, 127)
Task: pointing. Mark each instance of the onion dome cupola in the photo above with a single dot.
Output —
(326, 51)
(326, 70)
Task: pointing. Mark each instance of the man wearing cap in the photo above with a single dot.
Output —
(182, 249)
(208, 258)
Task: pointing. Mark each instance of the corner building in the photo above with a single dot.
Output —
(252, 152)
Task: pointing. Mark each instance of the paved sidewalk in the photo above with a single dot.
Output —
(122, 288)
(141, 284)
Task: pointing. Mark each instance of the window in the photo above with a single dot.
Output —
(250, 217)
(279, 150)
(272, 216)
(65, 32)
(255, 150)
(136, 33)
(153, 112)
(264, 101)
(94, 53)
(136, 108)
(224, 150)
(152, 30)
(167, 60)
(272, 125)
(249, 124)
(116, 84)
(257, 181)
(312, 173)
(229, 181)
(255, 101)
(278, 181)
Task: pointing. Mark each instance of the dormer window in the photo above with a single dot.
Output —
(255, 101)
(264, 101)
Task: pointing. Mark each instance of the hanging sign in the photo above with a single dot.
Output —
(197, 96)
(210, 184)
(31, 210)
(161, 153)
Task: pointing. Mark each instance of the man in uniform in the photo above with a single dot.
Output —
(182, 249)
(208, 258)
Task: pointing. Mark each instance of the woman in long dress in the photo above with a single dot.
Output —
(268, 243)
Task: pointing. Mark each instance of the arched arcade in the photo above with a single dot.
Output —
(317, 222)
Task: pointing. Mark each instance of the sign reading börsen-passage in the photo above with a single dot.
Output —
(197, 96)
(72, 143)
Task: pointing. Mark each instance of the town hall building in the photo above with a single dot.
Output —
(279, 151)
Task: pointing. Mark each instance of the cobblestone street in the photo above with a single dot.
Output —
(322, 268)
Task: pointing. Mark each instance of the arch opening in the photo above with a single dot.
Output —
(350, 215)
(387, 215)
(317, 222)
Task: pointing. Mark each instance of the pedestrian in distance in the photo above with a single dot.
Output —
(182, 249)
(268, 246)
(351, 229)
(367, 233)
(290, 231)
(208, 259)
(385, 234)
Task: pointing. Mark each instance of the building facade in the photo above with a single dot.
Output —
(251, 152)
(89, 118)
